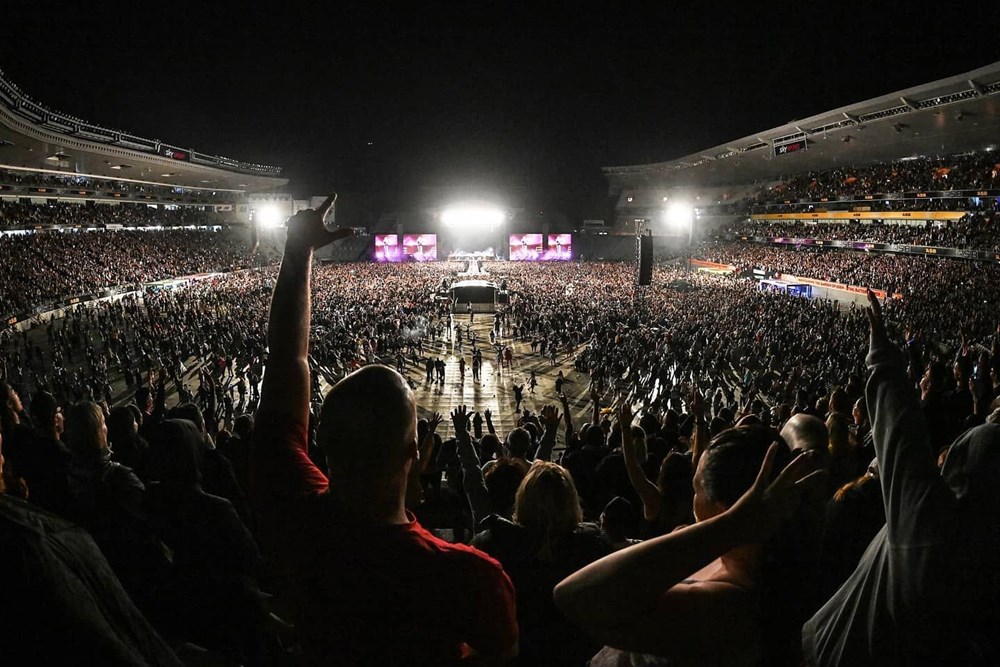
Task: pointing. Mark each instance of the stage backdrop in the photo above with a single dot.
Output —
(420, 247)
(387, 248)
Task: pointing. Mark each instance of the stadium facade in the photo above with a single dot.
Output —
(952, 116)
(46, 155)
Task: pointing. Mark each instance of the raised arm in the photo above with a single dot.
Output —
(907, 465)
(746, 401)
(648, 493)
(568, 418)
(281, 465)
(550, 418)
(414, 489)
(472, 475)
(700, 435)
(634, 599)
(489, 421)
(211, 402)
(285, 388)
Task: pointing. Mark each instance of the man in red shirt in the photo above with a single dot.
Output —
(366, 583)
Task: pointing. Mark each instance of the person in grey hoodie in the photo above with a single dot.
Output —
(927, 589)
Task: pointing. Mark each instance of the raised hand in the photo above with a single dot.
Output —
(976, 389)
(875, 319)
(624, 414)
(551, 416)
(747, 399)
(697, 404)
(307, 228)
(764, 506)
(488, 415)
(460, 420)
(434, 422)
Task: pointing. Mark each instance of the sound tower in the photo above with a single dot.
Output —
(644, 254)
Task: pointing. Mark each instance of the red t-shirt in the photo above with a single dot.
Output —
(363, 594)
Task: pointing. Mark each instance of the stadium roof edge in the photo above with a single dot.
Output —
(904, 123)
(36, 137)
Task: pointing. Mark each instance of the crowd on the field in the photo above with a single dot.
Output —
(919, 280)
(168, 493)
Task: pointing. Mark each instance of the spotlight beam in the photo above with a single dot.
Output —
(270, 217)
(472, 217)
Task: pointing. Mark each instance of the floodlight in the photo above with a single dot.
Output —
(472, 216)
(270, 216)
(679, 217)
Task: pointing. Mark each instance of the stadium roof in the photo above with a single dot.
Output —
(947, 117)
(37, 138)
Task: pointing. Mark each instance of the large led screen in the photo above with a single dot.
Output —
(560, 247)
(525, 247)
(387, 248)
(420, 247)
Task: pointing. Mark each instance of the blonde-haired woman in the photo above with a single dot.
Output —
(546, 541)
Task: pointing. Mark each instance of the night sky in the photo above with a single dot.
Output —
(534, 97)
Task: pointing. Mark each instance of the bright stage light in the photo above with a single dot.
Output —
(679, 217)
(472, 216)
(270, 216)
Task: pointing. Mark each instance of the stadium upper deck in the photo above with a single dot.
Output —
(956, 115)
(49, 150)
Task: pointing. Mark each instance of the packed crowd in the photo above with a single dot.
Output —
(976, 230)
(976, 171)
(17, 215)
(44, 266)
(702, 392)
(18, 177)
(920, 280)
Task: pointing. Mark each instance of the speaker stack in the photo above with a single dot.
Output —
(644, 255)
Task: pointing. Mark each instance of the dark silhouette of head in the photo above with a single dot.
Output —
(368, 426)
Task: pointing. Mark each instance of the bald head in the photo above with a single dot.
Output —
(806, 432)
(368, 424)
